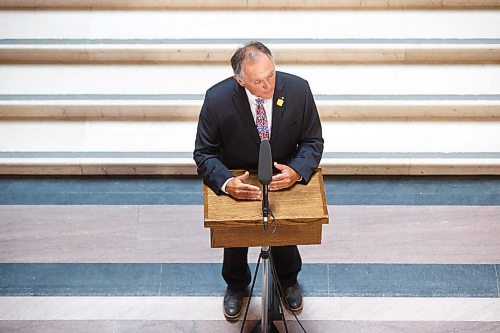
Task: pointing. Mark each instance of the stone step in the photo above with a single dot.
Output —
(286, 51)
(250, 4)
(175, 92)
(190, 26)
(328, 36)
(359, 164)
(337, 80)
(187, 107)
(165, 147)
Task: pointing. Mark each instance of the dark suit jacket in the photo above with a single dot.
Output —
(227, 137)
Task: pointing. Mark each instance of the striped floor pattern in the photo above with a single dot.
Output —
(130, 254)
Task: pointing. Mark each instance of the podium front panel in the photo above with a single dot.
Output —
(306, 234)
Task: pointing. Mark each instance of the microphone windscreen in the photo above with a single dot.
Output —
(265, 163)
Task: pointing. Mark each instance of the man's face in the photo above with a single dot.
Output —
(259, 76)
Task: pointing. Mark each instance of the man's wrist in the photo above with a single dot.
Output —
(223, 187)
(298, 175)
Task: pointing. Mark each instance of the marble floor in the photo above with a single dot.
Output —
(125, 254)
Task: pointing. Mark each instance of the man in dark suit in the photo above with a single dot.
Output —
(284, 110)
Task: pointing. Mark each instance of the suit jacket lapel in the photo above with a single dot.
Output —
(240, 99)
(278, 111)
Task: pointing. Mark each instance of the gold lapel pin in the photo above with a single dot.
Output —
(280, 101)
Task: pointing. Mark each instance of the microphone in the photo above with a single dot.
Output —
(265, 163)
(265, 175)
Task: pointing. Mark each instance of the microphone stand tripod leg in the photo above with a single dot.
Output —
(266, 325)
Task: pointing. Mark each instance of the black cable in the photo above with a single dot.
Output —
(269, 212)
(251, 293)
(282, 294)
(276, 291)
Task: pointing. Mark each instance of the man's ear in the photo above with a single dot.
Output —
(240, 81)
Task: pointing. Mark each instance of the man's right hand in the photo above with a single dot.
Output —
(238, 188)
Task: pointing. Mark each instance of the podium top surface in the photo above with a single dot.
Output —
(298, 204)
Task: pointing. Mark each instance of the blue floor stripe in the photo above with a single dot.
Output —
(170, 190)
(413, 190)
(356, 280)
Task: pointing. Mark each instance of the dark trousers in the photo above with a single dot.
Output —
(237, 275)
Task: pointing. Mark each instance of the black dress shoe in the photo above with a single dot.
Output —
(293, 297)
(233, 301)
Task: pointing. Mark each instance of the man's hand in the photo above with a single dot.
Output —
(286, 178)
(238, 189)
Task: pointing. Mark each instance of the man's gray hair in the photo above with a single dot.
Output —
(248, 51)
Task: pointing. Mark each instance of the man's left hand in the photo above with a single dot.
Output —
(286, 178)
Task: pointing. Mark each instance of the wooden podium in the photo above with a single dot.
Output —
(300, 212)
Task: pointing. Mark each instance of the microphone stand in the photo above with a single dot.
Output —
(266, 267)
(268, 308)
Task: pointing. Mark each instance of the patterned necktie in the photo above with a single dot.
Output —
(261, 120)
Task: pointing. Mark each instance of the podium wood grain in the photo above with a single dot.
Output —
(299, 212)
